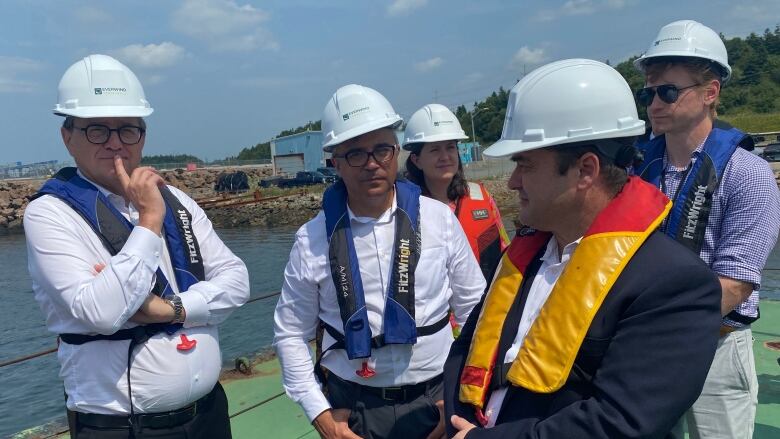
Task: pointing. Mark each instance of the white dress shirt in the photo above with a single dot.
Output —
(544, 281)
(62, 251)
(447, 277)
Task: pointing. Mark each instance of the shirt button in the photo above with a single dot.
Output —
(156, 254)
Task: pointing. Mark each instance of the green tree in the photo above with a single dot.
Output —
(169, 159)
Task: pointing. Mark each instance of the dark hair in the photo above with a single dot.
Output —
(614, 175)
(68, 123)
(458, 186)
(702, 70)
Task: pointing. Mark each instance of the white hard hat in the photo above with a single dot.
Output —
(690, 39)
(100, 86)
(353, 111)
(432, 123)
(573, 100)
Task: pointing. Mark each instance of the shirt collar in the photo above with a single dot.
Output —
(694, 154)
(550, 255)
(102, 190)
(116, 200)
(385, 217)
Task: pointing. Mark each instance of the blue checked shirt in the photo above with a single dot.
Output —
(743, 224)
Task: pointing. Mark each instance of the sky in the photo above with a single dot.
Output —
(223, 75)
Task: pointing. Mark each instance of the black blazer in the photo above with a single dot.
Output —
(641, 366)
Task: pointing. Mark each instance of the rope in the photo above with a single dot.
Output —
(54, 349)
(28, 357)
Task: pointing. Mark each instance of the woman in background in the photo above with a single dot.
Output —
(434, 164)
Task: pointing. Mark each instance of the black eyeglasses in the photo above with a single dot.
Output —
(99, 134)
(357, 158)
(668, 93)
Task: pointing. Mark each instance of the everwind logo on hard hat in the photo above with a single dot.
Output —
(346, 116)
(663, 40)
(441, 122)
(110, 90)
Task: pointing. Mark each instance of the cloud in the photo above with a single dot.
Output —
(224, 25)
(579, 7)
(528, 56)
(11, 68)
(429, 64)
(151, 56)
(401, 7)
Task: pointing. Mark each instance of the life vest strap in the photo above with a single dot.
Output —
(741, 318)
(379, 340)
(498, 379)
(139, 333)
(376, 342)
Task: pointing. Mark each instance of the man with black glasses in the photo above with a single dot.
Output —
(379, 268)
(129, 273)
(726, 207)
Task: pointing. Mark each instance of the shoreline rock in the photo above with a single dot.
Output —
(292, 210)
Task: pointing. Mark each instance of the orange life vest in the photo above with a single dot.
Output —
(486, 235)
(549, 349)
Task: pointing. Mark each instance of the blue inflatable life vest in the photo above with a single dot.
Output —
(690, 213)
(399, 322)
(113, 229)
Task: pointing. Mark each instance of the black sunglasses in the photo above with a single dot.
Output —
(668, 93)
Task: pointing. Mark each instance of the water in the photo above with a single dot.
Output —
(31, 393)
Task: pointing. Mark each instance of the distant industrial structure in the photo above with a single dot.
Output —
(303, 152)
(30, 170)
(297, 152)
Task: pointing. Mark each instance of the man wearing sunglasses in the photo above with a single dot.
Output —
(129, 273)
(379, 268)
(726, 207)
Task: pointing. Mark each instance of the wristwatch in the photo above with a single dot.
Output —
(178, 308)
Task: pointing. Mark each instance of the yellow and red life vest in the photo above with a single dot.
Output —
(549, 349)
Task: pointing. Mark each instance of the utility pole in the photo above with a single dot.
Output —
(473, 132)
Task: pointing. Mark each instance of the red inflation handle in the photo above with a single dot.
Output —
(365, 371)
(186, 344)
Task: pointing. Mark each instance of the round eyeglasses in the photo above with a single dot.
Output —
(99, 134)
(668, 93)
(358, 158)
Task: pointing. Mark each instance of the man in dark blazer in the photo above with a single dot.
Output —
(595, 324)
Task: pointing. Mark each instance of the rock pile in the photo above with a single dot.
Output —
(13, 199)
(291, 210)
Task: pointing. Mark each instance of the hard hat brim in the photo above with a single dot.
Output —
(390, 122)
(509, 147)
(92, 112)
(682, 54)
(435, 138)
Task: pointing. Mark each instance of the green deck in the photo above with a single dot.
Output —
(279, 417)
(767, 328)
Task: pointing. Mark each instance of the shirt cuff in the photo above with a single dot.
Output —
(195, 307)
(314, 403)
(144, 245)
